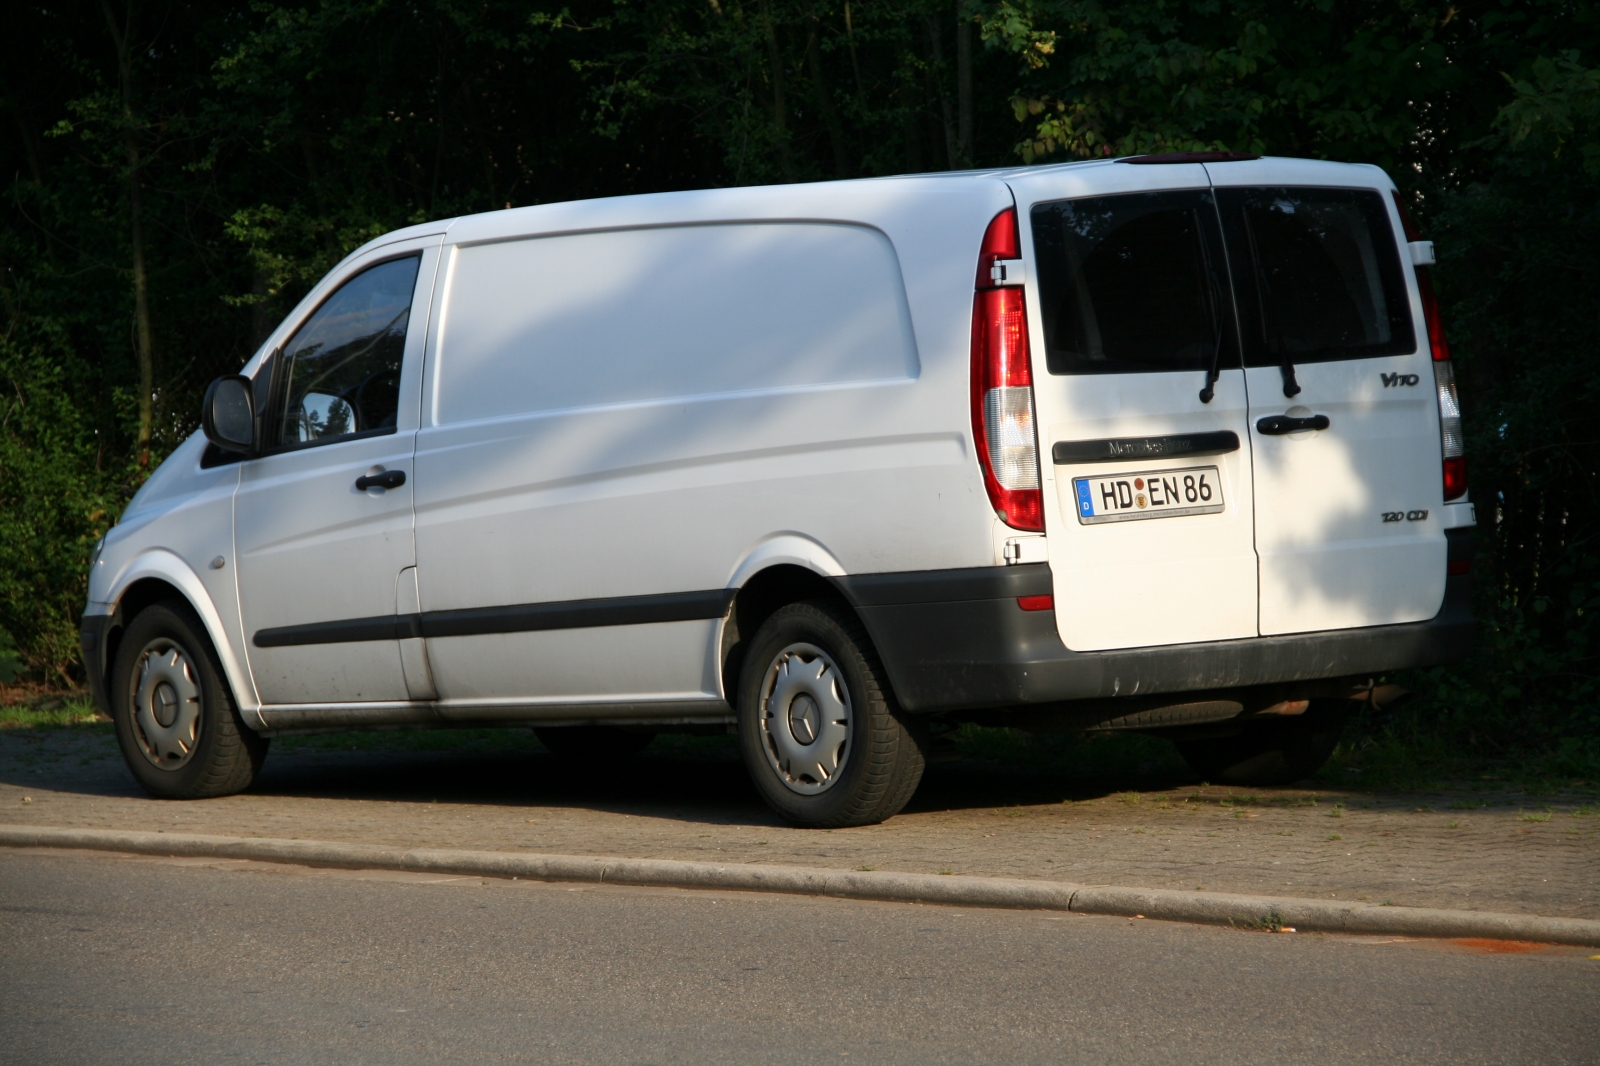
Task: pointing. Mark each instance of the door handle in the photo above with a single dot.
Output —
(1278, 425)
(388, 479)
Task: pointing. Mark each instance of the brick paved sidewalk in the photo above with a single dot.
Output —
(1484, 851)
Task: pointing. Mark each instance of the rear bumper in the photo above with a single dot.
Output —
(956, 640)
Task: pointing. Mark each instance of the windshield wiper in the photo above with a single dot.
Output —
(1291, 387)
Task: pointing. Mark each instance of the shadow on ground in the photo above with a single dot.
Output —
(698, 779)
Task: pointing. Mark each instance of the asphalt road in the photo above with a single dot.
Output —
(106, 959)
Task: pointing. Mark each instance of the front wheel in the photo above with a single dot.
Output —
(176, 722)
(817, 726)
(1271, 750)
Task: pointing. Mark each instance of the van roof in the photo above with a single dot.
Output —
(750, 193)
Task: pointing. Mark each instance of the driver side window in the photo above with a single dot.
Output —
(341, 371)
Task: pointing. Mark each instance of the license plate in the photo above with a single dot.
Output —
(1148, 494)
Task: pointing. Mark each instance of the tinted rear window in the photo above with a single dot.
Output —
(1317, 274)
(1132, 283)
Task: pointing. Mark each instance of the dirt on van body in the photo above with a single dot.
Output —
(689, 799)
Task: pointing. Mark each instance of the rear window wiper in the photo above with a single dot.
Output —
(1212, 372)
(1291, 387)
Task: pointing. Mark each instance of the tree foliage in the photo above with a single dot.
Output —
(231, 152)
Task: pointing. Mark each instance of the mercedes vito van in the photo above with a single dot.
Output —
(1165, 443)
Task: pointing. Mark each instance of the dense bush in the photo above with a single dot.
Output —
(1519, 278)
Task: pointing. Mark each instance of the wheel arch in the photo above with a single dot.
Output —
(159, 575)
(762, 594)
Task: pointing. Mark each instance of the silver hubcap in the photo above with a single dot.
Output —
(805, 718)
(166, 704)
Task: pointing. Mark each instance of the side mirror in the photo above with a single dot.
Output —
(227, 416)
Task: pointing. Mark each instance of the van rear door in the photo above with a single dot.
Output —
(1146, 483)
(1343, 420)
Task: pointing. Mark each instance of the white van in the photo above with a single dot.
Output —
(1167, 443)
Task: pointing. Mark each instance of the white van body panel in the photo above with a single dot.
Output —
(522, 674)
(1136, 584)
(785, 549)
(841, 411)
(1329, 558)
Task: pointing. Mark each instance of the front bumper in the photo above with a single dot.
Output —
(92, 637)
(956, 640)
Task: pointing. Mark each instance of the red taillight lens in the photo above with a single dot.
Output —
(1000, 334)
(1046, 602)
(1002, 387)
(1451, 441)
(1458, 567)
(1430, 316)
(1455, 478)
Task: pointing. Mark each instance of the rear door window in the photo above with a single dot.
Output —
(1133, 284)
(1317, 274)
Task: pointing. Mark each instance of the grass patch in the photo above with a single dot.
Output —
(54, 713)
(1271, 922)
(1426, 744)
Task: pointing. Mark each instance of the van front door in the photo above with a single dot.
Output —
(1141, 405)
(323, 520)
(1343, 417)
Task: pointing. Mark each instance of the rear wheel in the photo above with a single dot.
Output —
(1276, 750)
(177, 725)
(820, 735)
(593, 743)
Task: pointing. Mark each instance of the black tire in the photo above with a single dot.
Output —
(1278, 750)
(206, 750)
(593, 743)
(882, 758)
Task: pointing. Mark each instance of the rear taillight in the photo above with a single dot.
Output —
(1454, 446)
(1002, 384)
(1430, 316)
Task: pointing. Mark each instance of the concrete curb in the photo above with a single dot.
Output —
(1212, 908)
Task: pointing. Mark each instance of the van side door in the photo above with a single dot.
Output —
(1343, 417)
(323, 518)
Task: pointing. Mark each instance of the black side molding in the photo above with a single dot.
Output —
(512, 618)
(1121, 449)
(942, 586)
